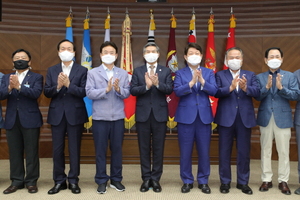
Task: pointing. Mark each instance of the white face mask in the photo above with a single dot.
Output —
(234, 64)
(151, 57)
(108, 59)
(194, 59)
(66, 56)
(274, 63)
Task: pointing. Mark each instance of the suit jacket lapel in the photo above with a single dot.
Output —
(73, 71)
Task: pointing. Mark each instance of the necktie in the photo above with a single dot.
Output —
(152, 70)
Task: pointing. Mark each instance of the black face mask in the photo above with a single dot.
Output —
(21, 64)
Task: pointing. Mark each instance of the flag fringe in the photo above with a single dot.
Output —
(171, 123)
(129, 123)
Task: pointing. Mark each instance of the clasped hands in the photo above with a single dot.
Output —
(114, 85)
(13, 83)
(197, 76)
(237, 81)
(151, 80)
(278, 81)
(62, 80)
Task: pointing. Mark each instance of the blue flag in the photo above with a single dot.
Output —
(86, 61)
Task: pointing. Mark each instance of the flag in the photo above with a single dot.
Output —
(126, 64)
(230, 36)
(107, 27)
(86, 61)
(172, 63)
(151, 27)
(69, 29)
(192, 29)
(210, 58)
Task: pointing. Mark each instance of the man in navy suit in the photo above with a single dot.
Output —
(65, 85)
(235, 117)
(150, 84)
(23, 122)
(274, 117)
(193, 85)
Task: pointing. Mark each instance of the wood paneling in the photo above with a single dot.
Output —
(38, 25)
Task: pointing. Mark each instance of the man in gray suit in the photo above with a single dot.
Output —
(277, 88)
(297, 127)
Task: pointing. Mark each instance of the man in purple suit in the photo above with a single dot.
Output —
(193, 85)
(65, 85)
(235, 118)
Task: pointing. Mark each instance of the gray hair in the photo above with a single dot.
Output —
(234, 48)
(151, 44)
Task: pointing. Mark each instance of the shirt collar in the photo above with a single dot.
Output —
(148, 65)
(276, 72)
(22, 73)
(106, 69)
(234, 74)
(71, 64)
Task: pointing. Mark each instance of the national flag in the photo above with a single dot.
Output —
(151, 27)
(126, 64)
(210, 58)
(69, 29)
(172, 63)
(107, 26)
(230, 36)
(86, 61)
(192, 29)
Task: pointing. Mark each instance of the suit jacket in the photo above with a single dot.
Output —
(1, 118)
(277, 101)
(153, 99)
(195, 100)
(230, 103)
(107, 106)
(297, 111)
(66, 101)
(23, 102)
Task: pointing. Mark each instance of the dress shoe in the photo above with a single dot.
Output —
(204, 188)
(74, 187)
(245, 188)
(102, 188)
(265, 186)
(156, 186)
(224, 188)
(12, 189)
(297, 191)
(57, 188)
(283, 186)
(32, 189)
(145, 186)
(186, 187)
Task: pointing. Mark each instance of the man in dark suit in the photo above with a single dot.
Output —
(193, 84)
(65, 85)
(23, 122)
(235, 117)
(151, 83)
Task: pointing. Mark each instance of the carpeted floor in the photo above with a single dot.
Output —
(170, 182)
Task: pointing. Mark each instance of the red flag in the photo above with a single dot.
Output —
(172, 99)
(210, 61)
(126, 63)
(230, 36)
